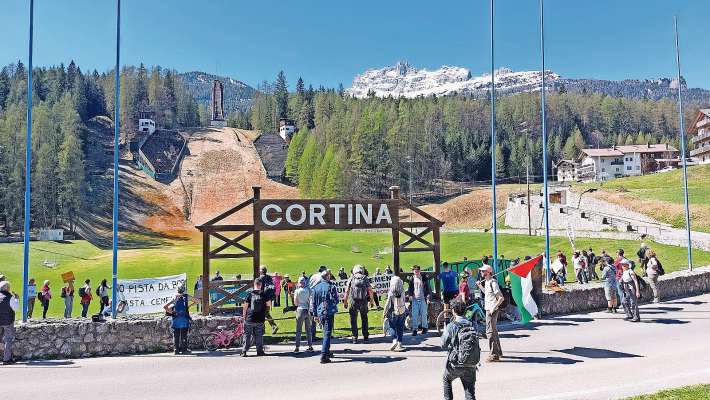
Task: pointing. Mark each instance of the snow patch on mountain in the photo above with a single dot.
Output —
(403, 80)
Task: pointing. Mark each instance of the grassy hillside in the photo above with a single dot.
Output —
(286, 252)
(661, 195)
(685, 393)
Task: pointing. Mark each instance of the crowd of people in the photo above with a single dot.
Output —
(622, 284)
(68, 293)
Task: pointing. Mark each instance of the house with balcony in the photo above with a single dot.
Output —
(628, 160)
(700, 137)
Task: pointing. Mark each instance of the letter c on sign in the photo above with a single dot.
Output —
(264, 212)
(289, 214)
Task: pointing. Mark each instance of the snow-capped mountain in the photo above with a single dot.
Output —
(403, 80)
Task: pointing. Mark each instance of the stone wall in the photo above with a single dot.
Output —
(75, 337)
(590, 297)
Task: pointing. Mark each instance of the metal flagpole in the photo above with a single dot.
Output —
(546, 198)
(116, 124)
(28, 164)
(493, 145)
(682, 148)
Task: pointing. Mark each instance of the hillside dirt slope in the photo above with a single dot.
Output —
(471, 210)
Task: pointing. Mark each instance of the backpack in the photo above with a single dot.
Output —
(641, 253)
(64, 293)
(465, 349)
(97, 290)
(358, 288)
(82, 291)
(659, 268)
(40, 297)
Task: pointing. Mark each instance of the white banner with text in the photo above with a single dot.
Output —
(149, 295)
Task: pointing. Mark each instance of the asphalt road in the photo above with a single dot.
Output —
(589, 356)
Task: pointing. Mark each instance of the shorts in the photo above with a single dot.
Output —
(448, 296)
(609, 291)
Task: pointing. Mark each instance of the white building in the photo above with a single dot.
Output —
(700, 137)
(628, 160)
(146, 125)
(286, 129)
(566, 171)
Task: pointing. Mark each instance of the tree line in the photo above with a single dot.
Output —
(64, 99)
(359, 147)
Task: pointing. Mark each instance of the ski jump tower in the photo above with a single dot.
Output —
(217, 120)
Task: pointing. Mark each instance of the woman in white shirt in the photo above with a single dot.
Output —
(580, 267)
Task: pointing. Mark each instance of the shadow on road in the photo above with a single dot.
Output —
(46, 364)
(339, 359)
(690, 303)
(665, 321)
(589, 352)
(539, 360)
(512, 336)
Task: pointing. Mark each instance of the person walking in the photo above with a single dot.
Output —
(302, 302)
(313, 280)
(267, 286)
(9, 303)
(632, 293)
(619, 271)
(610, 284)
(590, 262)
(255, 308)
(45, 295)
(102, 294)
(653, 271)
(358, 294)
(580, 267)
(395, 312)
(277, 289)
(179, 310)
(493, 298)
(85, 297)
(419, 293)
(465, 294)
(68, 296)
(324, 307)
(458, 335)
(31, 297)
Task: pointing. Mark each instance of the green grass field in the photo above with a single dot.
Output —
(287, 253)
(696, 392)
(666, 186)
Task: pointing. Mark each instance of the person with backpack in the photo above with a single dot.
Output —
(493, 299)
(632, 292)
(267, 286)
(85, 297)
(44, 296)
(324, 307)
(643, 259)
(9, 303)
(302, 302)
(395, 312)
(179, 309)
(358, 295)
(255, 309)
(68, 296)
(419, 293)
(102, 294)
(463, 352)
(450, 288)
(610, 284)
(654, 269)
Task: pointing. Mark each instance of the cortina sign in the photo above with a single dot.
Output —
(325, 214)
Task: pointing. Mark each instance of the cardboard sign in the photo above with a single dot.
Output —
(68, 276)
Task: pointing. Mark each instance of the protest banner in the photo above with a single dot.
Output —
(149, 295)
(68, 276)
(380, 284)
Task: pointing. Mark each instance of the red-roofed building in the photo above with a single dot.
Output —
(700, 137)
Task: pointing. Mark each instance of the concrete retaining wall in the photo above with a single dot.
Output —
(590, 297)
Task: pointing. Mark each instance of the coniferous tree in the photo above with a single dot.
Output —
(281, 95)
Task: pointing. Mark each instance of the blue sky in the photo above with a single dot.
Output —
(329, 42)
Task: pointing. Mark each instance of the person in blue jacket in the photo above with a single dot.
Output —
(179, 310)
(324, 308)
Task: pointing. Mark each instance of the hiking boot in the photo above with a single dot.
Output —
(366, 340)
(395, 344)
(425, 331)
(399, 347)
(260, 353)
(243, 354)
(354, 341)
(637, 319)
(492, 358)
(296, 350)
(414, 332)
(325, 361)
(187, 351)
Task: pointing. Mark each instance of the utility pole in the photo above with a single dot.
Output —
(410, 161)
(527, 180)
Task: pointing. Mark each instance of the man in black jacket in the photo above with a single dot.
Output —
(9, 302)
(267, 286)
(419, 293)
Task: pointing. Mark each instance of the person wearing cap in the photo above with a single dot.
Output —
(493, 298)
(324, 306)
(9, 303)
(630, 286)
(179, 309)
(302, 302)
(419, 293)
(358, 294)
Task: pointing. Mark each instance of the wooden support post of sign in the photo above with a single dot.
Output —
(394, 194)
(437, 257)
(205, 273)
(257, 237)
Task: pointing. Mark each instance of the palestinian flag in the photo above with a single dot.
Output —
(521, 287)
